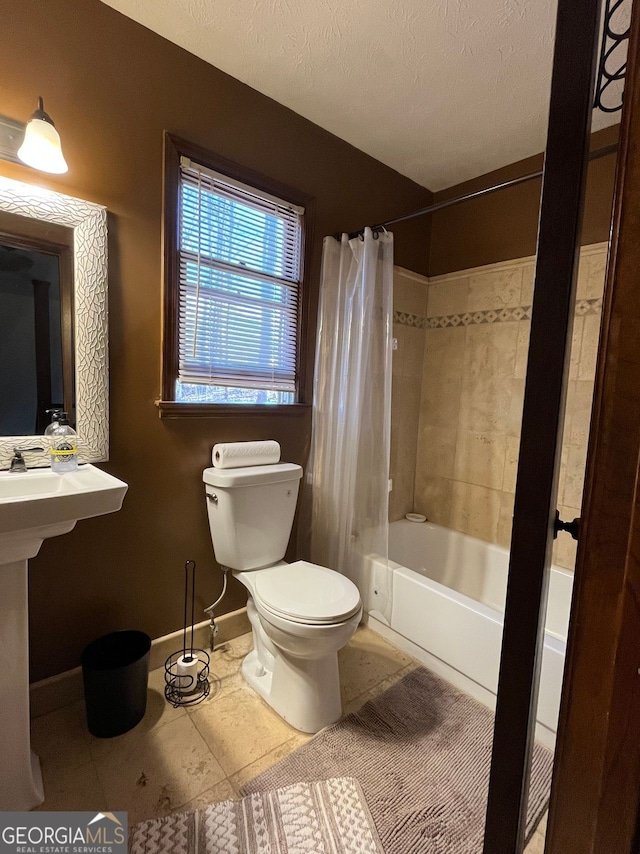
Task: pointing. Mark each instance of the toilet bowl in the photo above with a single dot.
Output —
(301, 614)
(294, 662)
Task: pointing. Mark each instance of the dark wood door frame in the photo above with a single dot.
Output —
(562, 201)
(596, 782)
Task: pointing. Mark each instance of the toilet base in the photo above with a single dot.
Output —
(304, 692)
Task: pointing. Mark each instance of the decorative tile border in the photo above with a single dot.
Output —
(407, 319)
(505, 315)
(589, 306)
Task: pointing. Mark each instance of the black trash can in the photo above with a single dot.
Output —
(115, 670)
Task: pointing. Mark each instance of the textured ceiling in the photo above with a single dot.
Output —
(441, 90)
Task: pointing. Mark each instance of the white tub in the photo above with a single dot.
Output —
(448, 592)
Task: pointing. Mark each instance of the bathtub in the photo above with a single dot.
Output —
(447, 594)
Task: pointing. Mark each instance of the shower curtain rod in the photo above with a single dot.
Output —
(476, 194)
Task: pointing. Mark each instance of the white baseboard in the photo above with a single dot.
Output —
(66, 688)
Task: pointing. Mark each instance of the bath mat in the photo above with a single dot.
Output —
(328, 817)
(421, 752)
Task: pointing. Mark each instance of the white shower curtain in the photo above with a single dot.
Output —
(349, 461)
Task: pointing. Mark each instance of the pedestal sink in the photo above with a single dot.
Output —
(34, 505)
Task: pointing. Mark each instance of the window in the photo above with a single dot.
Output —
(233, 288)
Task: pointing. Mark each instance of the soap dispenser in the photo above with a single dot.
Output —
(55, 421)
(64, 447)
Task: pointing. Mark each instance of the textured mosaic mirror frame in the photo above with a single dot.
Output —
(89, 224)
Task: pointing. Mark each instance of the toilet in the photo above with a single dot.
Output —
(301, 614)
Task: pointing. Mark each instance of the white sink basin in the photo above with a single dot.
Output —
(15, 487)
(41, 498)
(34, 505)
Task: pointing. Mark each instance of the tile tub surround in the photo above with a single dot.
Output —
(455, 420)
(475, 354)
(181, 759)
(409, 317)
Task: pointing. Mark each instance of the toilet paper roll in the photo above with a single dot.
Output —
(233, 455)
(187, 678)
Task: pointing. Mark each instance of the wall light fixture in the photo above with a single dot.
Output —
(36, 143)
(41, 146)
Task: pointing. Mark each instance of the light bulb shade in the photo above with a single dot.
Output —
(41, 147)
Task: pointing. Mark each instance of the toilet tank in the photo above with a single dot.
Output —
(251, 512)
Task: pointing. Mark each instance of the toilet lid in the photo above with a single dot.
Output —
(307, 592)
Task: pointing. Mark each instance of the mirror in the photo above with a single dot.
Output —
(53, 319)
(36, 342)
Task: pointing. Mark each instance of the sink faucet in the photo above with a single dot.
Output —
(18, 463)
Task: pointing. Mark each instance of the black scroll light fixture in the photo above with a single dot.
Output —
(36, 143)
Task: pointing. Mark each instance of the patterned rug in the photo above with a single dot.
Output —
(421, 752)
(328, 817)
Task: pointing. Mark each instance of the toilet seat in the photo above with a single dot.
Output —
(303, 592)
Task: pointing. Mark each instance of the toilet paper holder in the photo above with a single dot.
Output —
(186, 672)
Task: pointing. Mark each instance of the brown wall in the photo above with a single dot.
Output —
(112, 87)
(504, 225)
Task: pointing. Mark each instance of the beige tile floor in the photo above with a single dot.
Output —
(179, 759)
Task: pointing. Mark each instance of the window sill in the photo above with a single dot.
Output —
(171, 409)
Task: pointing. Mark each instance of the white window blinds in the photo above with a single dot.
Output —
(239, 258)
